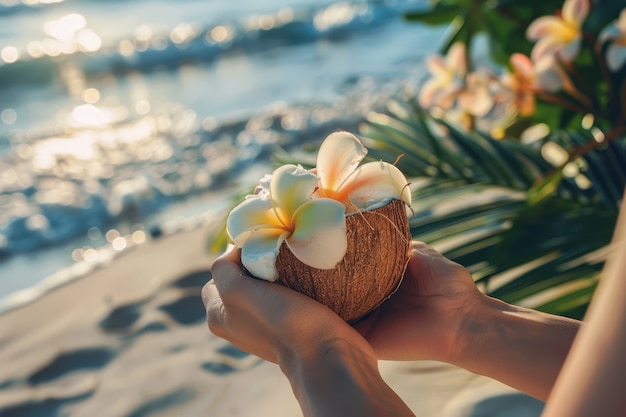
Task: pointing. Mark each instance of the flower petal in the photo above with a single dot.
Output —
(570, 50)
(544, 26)
(319, 238)
(621, 22)
(446, 96)
(456, 61)
(546, 47)
(437, 66)
(259, 253)
(252, 214)
(549, 75)
(575, 11)
(611, 32)
(373, 185)
(522, 66)
(477, 103)
(290, 187)
(427, 92)
(338, 156)
(526, 105)
(615, 57)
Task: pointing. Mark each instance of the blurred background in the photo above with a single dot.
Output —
(121, 119)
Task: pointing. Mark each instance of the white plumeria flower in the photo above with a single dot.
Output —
(363, 188)
(480, 93)
(560, 35)
(308, 211)
(313, 229)
(447, 78)
(616, 51)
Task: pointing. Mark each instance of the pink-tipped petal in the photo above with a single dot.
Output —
(319, 238)
(575, 11)
(251, 214)
(373, 185)
(290, 187)
(338, 156)
(259, 253)
(522, 65)
(427, 93)
(546, 47)
(544, 26)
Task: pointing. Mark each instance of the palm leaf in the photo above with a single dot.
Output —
(476, 206)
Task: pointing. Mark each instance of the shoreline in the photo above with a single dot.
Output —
(129, 339)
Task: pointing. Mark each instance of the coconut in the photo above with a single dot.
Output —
(372, 269)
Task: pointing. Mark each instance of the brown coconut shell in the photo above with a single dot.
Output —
(372, 269)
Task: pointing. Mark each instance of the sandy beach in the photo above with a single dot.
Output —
(130, 340)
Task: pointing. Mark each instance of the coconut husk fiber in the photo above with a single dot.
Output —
(375, 261)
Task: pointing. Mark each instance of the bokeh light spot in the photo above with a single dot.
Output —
(119, 243)
(8, 116)
(142, 107)
(139, 237)
(10, 54)
(126, 48)
(36, 49)
(89, 40)
(111, 235)
(65, 28)
(91, 95)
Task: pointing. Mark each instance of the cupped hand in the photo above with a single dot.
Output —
(423, 319)
(268, 319)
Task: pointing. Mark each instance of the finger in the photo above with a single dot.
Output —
(209, 293)
(232, 255)
(227, 267)
(215, 314)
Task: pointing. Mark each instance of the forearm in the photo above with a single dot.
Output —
(520, 347)
(593, 379)
(343, 382)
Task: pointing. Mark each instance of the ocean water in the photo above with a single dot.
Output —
(121, 120)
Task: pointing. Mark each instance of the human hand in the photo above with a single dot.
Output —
(271, 321)
(424, 318)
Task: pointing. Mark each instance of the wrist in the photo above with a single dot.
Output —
(476, 319)
(341, 378)
(321, 355)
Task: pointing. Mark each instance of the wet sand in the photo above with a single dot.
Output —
(130, 340)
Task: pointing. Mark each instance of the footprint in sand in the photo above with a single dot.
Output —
(232, 360)
(188, 309)
(121, 318)
(193, 280)
(70, 362)
(46, 407)
(164, 403)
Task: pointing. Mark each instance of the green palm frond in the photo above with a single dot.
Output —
(472, 157)
(477, 206)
